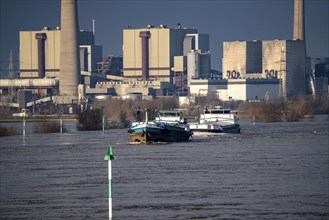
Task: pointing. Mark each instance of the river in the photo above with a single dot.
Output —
(269, 171)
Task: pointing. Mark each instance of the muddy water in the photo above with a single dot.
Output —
(274, 171)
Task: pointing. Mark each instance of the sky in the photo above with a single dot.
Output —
(223, 20)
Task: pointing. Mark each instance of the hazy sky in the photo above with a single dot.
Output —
(224, 20)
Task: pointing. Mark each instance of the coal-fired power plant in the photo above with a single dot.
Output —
(299, 20)
(69, 49)
(64, 65)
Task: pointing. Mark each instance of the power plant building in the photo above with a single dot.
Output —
(198, 65)
(46, 54)
(286, 59)
(270, 59)
(148, 53)
(34, 52)
(195, 42)
(242, 59)
(235, 89)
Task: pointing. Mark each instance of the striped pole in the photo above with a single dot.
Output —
(109, 157)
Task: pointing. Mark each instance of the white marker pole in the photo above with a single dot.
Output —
(103, 123)
(109, 157)
(61, 125)
(24, 133)
(24, 127)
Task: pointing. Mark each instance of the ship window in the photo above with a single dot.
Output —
(163, 114)
(217, 112)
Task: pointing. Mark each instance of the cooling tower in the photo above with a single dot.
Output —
(299, 21)
(69, 49)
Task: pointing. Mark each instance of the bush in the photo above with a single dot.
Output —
(5, 131)
(47, 127)
(288, 110)
(266, 111)
(90, 120)
(5, 112)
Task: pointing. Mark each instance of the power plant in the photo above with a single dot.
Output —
(65, 64)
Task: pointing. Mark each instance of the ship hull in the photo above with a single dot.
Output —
(159, 133)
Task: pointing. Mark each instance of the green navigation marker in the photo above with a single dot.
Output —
(109, 157)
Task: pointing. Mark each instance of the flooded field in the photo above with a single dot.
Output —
(270, 170)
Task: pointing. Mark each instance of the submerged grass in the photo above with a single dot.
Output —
(8, 131)
(48, 127)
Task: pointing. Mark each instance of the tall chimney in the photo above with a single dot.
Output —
(41, 37)
(145, 35)
(299, 21)
(69, 49)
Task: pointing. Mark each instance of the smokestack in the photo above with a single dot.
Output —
(69, 49)
(145, 35)
(299, 21)
(94, 29)
(41, 37)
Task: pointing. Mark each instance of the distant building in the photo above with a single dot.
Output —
(90, 55)
(198, 65)
(196, 42)
(242, 59)
(319, 76)
(148, 53)
(236, 89)
(270, 59)
(40, 52)
(286, 60)
(111, 65)
(124, 88)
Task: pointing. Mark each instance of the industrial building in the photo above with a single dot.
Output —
(111, 65)
(166, 55)
(319, 76)
(242, 59)
(124, 88)
(40, 53)
(267, 64)
(236, 89)
(148, 53)
(280, 59)
(51, 60)
(286, 60)
(277, 68)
